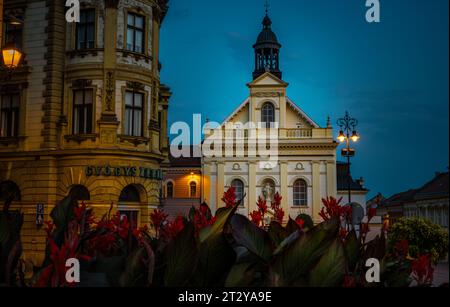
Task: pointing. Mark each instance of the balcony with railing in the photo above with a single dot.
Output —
(281, 134)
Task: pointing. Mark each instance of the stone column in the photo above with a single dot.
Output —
(252, 186)
(282, 101)
(317, 204)
(331, 179)
(154, 130)
(284, 188)
(220, 184)
(108, 123)
(206, 188)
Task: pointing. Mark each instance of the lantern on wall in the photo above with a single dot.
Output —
(12, 56)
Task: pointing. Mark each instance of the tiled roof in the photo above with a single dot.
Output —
(185, 162)
(438, 187)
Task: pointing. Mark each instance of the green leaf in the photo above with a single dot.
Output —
(352, 248)
(134, 274)
(330, 271)
(182, 258)
(291, 226)
(248, 235)
(112, 267)
(241, 275)
(277, 233)
(299, 258)
(62, 214)
(216, 259)
(222, 217)
(287, 242)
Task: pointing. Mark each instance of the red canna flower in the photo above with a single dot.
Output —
(332, 208)
(229, 198)
(256, 217)
(300, 222)
(343, 233)
(262, 206)
(171, 230)
(50, 226)
(54, 274)
(279, 215)
(158, 219)
(422, 270)
(276, 203)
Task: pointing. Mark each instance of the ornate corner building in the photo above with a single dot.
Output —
(86, 112)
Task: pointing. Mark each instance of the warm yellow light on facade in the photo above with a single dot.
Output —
(342, 137)
(355, 137)
(12, 56)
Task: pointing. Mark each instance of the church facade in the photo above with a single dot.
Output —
(304, 169)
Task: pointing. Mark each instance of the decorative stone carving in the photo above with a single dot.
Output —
(81, 83)
(137, 86)
(110, 89)
(267, 94)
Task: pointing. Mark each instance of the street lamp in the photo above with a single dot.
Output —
(11, 53)
(12, 56)
(348, 133)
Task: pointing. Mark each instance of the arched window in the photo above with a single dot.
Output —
(130, 195)
(9, 191)
(238, 186)
(80, 193)
(268, 114)
(300, 193)
(169, 190)
(193, 189)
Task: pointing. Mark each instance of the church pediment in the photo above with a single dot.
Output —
(268, 79)
(295, 115)
(241, 114)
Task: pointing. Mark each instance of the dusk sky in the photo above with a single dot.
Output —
(392, 76)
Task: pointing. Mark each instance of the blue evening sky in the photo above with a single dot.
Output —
(392, 76)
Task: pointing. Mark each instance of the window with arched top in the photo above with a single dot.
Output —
(193, 189)
(80, 193)
(169, 190)
(268, 114)
(238, 186)
(130, 194)
(300, 193)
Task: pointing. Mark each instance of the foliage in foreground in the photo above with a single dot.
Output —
(222, 250)
(423, 236)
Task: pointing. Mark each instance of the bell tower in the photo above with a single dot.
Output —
(267, 50)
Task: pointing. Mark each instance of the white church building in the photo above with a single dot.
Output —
(304, 170)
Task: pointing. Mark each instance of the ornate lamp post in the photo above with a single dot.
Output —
(347, 134)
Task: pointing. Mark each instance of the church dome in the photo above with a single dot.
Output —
(267, 36)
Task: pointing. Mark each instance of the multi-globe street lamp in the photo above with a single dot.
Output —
(348, 134)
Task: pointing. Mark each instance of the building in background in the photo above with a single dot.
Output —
(85, 114)
(306, 168)
(182, 186)
(431, 201)
(358, 190)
